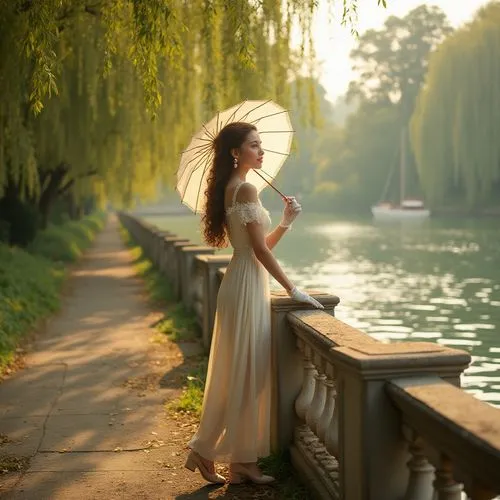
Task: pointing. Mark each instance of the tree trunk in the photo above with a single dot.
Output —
(51, 191)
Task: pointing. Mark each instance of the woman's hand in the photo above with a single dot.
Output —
(300, 296)
(291, 211)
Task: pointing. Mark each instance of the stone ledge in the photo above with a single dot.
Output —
(345, 345)
(213, 259)
(404, 359)
(326, 329)
(174, 239)
(183, 244)
(194, 248)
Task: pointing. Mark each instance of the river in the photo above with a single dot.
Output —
(437, 280)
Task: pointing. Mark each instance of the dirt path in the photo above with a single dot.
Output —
(86, 418)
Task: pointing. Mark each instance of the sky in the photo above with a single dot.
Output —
(334, 42)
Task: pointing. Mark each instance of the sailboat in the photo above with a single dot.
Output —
(408, 208)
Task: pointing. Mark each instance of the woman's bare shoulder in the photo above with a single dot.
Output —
(247, 192)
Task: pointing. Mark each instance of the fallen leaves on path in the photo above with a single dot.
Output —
(13, 463)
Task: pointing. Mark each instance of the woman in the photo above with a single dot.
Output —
(235, 420)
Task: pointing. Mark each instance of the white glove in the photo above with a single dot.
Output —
(291, 211)
(300, 296)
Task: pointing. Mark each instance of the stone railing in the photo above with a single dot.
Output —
(362, 419)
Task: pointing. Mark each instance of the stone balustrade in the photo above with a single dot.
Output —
(452, 438)
(362, 419)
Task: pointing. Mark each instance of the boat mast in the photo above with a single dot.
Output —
(402, 166)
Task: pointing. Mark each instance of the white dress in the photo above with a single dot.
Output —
(235, 418)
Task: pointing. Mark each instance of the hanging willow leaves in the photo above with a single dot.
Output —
(455, 127)
(97, 99)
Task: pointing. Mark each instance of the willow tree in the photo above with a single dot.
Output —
(99, 98)
(456, 124)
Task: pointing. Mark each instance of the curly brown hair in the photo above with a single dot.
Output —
(213, 220)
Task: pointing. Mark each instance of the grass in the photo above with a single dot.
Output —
(279, 466)
(191, 399)
(31, 279)
(178, 324)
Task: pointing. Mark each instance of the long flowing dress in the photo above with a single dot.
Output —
(235, 419)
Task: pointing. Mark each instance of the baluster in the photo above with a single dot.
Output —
(327, 415)
(332, 431)
(318, 402)
(446, 487)
(316, 448)
(304, 399)
(421, 473)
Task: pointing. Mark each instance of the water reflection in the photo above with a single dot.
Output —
(438, 281)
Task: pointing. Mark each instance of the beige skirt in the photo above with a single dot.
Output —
(235, 420)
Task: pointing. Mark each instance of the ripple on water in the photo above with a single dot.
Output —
(421, 307)
(474, 326)
(473, 368)
(461, 342)
(437, 319)
(390, 329)
(390, 322)
(467, 281)
(449, 301)
(493, 398)
(426, 335)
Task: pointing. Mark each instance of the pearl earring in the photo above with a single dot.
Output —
(235, 162)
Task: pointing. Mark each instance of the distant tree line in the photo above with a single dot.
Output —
(437, 86)
(456, 124)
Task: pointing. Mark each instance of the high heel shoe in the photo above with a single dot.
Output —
(194, 462)
(239, 474)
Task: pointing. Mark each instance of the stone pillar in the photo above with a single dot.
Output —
(166, 264)
(188, 270)
(209, 265)
(157, 246)
(178, 256)
(287, 365)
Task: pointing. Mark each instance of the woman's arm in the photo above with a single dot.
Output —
(265, 256)
(274, 236)
(259, 241)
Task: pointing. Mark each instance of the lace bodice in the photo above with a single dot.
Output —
(241, 213)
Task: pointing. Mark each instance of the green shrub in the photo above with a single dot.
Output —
(29, 290)
(30, 280)
(66, 242)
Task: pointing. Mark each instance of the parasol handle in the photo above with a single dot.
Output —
(277, 190)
